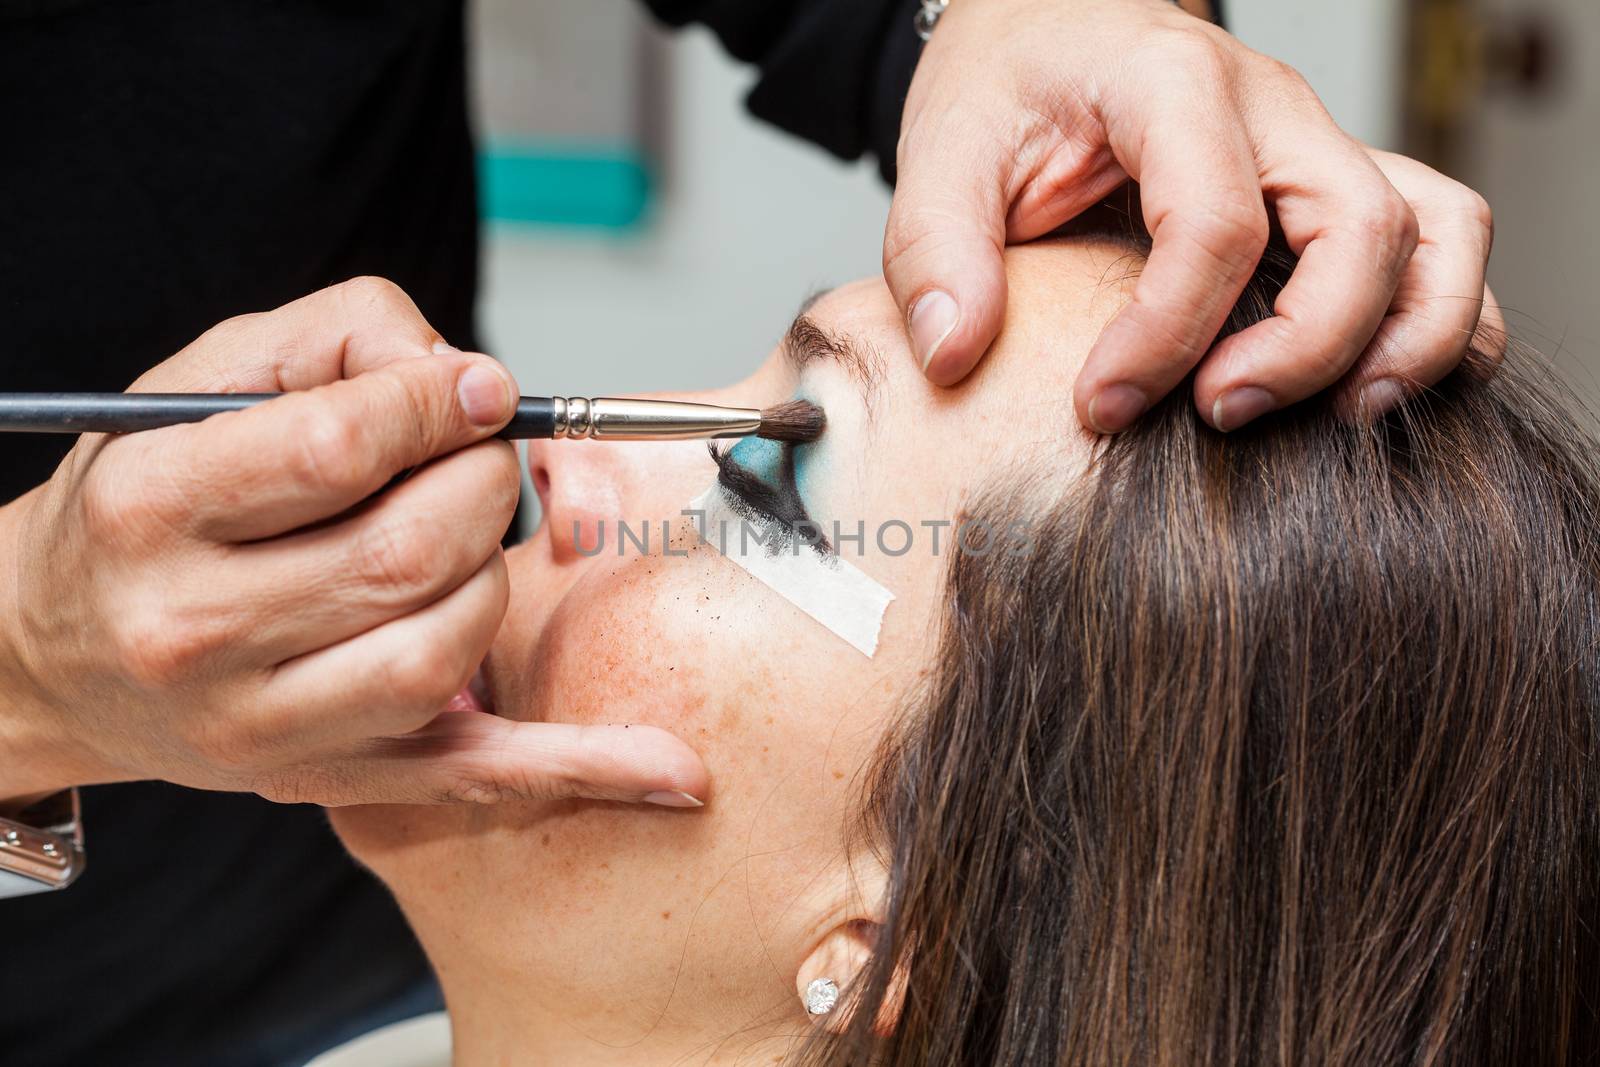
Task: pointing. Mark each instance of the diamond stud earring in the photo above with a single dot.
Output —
(821, 996)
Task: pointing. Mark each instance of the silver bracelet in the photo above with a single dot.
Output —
(41, 847)
(928, 17)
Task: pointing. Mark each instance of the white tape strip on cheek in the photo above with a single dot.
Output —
(830, 590)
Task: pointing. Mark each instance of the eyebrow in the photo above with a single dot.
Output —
(807, 341)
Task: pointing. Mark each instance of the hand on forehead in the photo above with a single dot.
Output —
(895, 443)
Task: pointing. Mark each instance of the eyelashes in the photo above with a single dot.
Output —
(778, 506)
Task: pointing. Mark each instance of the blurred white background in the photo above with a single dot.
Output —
(746, 223)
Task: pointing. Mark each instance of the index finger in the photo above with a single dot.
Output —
(335, 333)
(307, 456)
(1203, 206)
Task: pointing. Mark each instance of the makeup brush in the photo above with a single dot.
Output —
(574, 417)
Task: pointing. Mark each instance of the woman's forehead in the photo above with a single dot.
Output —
(1061, 295)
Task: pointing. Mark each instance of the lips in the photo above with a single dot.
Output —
(474, 696)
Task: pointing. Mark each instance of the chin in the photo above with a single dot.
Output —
(373, 832)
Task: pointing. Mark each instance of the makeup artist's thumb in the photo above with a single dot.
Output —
(942, 254)
(475, 757)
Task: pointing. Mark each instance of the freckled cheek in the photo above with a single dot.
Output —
(683, 644)
(695, 647)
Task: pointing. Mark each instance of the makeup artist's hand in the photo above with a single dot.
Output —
(1023, 113)
(226, 604)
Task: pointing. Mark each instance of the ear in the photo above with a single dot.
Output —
(841, 949)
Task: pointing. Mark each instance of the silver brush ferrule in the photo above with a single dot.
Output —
(612, 419)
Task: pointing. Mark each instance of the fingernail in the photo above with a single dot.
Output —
(673, 798)
(934, 316)
(1114, 408)
(484, 396)
(445, 348)
(1379, 398)
(1238, 406)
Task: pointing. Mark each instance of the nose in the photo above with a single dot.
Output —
(588, 488)
(578, 483)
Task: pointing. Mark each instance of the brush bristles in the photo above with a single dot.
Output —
(798, 420)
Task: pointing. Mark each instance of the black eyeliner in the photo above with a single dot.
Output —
(780, 504)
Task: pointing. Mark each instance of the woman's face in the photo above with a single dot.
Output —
(633, 932)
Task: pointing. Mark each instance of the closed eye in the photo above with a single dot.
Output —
(777, 502)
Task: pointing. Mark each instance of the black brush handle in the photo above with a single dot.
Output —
(130, 412)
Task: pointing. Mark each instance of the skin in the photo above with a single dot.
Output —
(578, 932)
(141, 606)
(238, 615)
(1222, 140)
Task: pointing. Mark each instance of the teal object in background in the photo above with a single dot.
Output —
(555, 184)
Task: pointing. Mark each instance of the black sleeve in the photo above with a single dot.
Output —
(834, 72)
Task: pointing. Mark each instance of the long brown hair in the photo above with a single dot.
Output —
(1280, 748)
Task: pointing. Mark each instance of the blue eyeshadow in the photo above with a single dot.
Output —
(765, 460)
(805, 458)
(760, 457)
(805, 464)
